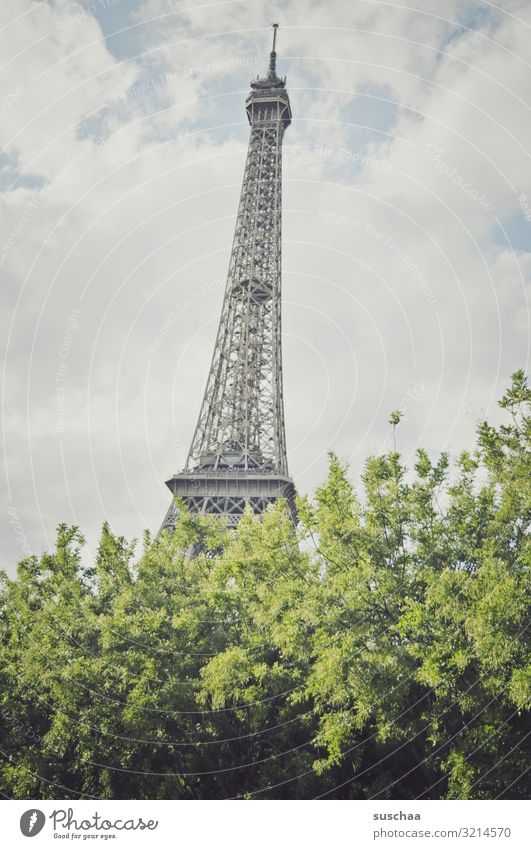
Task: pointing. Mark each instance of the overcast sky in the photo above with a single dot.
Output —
(406, 235)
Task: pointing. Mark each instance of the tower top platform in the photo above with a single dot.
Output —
(269, 90)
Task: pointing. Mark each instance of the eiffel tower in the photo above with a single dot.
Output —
(238, 452)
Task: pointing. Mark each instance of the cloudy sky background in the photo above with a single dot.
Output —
(407, 251)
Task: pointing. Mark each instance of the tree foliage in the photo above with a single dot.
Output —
(380, 652)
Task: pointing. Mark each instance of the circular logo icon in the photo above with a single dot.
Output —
(31, 822)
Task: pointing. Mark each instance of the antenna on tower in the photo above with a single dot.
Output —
(273, 58)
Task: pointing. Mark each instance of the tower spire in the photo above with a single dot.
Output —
(273, 55)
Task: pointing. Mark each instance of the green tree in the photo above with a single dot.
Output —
(380, 651)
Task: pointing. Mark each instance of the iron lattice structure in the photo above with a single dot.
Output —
(238, 452)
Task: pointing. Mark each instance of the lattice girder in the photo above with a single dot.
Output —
(239, 440)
